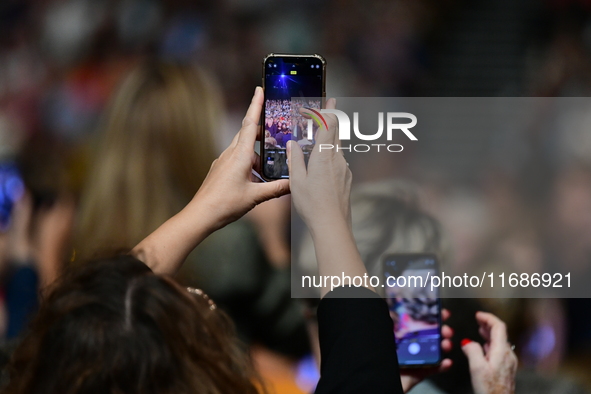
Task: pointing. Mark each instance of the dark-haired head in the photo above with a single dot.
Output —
(114, 327)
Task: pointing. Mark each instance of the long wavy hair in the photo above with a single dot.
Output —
(154, 150)
(115, 327)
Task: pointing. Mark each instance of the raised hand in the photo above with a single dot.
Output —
(493, 367)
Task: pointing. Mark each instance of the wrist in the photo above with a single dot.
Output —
(168, 246)
(326, 225)
(334, 237)
(202, 216)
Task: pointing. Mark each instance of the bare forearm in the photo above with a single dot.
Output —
(336, 252)
(165, 250)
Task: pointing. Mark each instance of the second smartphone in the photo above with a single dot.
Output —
(414, 307)
(290, 82)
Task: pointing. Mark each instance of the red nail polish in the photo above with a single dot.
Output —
(465, 342)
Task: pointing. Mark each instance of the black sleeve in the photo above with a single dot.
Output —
(358, 352)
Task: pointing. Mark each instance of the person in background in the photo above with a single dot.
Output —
(271, 126)
(36, 227)
(18, 270)
(280, 137)
(113, 326)
(154, 150)
(270, 142)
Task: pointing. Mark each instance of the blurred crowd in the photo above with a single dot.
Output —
(280, 117)
(71, 126)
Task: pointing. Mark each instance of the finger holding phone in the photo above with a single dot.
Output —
(492, 367)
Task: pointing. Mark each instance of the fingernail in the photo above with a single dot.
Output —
(256, 90)
(465, 342)
(288, 146)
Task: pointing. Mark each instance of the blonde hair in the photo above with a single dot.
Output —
(155, 151)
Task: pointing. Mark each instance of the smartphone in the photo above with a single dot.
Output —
(290, 82)
(415, 308)
(11, 190)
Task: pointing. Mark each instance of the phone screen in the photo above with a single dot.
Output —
(285, 79)
(11, 190)
(414, 307)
